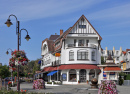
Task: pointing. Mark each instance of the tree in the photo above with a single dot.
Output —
(15, 73)
(102, 60)
(36, 66)
(4, 71)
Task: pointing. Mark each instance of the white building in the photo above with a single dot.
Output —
(80, 53)
(116, 54)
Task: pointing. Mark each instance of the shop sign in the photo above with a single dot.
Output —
(64, 77)
(104, 75)
(112, 73)
(57, 54)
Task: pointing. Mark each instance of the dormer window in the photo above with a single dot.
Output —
(44, 47)
(82, 26)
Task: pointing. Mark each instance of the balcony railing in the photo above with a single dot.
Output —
(82, 45)
(71, 45)
(56, 63)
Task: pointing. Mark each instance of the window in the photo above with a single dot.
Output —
(74, 42)
(81, 42)
(82, 55)
(93, 55)
(117, 58)
(72, 75)
(71, 55)
(82, 26)
(117, 52)
(44, 47)
(87, 41)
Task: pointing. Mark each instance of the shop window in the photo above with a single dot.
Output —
(71, 55)
(64, 77)
(117, 58)
(72, 75)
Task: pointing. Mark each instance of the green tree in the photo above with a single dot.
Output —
(36, 66)
(4, 71)
(102, 60)
(14, 73)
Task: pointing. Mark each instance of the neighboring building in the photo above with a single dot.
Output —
(110, 70)
(73, 55)
(116, 54)
(125, 60)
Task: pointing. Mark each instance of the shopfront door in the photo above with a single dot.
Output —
(82, 75)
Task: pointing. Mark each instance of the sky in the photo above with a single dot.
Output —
(41, 18)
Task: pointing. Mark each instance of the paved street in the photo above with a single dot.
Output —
(69, 89)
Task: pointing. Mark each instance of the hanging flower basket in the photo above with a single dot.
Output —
(18, 58)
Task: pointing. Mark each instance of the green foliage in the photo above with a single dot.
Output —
(122, 74)
(102, 60)
(128, 77)
(4, 71)
(120, 81)
(15, 73)
(36, 66)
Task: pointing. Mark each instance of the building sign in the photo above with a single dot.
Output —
(64, 77)
(104, 75)
(83, 35)
(112, 73)
(57, 54)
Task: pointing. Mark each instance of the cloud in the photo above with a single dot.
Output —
(114, 13)
(37, 9)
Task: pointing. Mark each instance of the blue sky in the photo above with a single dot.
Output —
(111, 18)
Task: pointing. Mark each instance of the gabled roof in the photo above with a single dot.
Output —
(53, 37)
(127, 50)
(77, 22)
(112, 69)
(50, 45)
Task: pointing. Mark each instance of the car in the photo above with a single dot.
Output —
(7, 79)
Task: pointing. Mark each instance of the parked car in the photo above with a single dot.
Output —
(7, 79)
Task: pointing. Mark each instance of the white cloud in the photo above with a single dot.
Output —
(36, 9)
(118, 12)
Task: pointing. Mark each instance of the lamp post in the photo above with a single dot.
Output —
(18, 33)
(7, 52)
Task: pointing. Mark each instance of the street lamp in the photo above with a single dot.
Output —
(7, 52)
(18, 32)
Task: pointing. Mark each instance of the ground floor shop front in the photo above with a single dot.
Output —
(72, 74)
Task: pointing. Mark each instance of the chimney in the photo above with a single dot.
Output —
(106, 50)
(113, 50)
(61, 32)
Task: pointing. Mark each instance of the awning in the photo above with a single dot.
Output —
(78, 66)
(39, 62)
(112, 69)
(71, 66)
(51, 73)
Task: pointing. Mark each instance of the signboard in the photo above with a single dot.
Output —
(64, 77)
(57, 54)
(112, 73)
(104, 75)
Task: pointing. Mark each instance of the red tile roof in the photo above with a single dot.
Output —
(112, 69)
(71, 66)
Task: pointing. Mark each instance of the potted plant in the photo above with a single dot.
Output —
(78, 81)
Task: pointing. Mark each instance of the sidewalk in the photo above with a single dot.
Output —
(68, 89)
